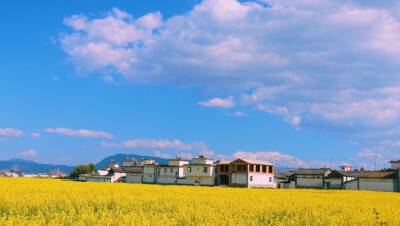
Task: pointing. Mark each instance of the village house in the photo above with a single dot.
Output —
(374, 181)
(251, 173)
(337, 179)
(202, 171)
(169, 174)
(312, 178)
(149, 171)
(224, 173)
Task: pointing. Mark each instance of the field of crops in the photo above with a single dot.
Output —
(46, 201)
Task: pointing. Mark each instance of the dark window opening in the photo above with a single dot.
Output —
(264, 169)
(257, 168)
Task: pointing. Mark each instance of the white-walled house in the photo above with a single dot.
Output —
(168, 174)
(251, 173)
(149, 171)
(312, 178)
(202, 171)
(134, 174)
(394, 164)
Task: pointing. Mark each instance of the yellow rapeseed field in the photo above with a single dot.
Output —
(46, 201)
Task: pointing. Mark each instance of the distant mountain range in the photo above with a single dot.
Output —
(26, 166)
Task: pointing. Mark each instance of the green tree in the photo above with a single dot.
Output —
(82, 169)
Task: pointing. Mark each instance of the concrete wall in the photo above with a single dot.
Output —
(351, 185)
(96, 179)
(373, 184)
(309, 182)
(149, 173)
(239, 179)
(133, 178)
(335, 183)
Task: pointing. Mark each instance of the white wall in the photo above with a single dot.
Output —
(395, 165)
(198, 170)
(261, 180)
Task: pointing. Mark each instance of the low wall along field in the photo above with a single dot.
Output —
(46, 201)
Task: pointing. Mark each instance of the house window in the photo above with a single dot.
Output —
(226, 168)
(264, 169)
(244, 168)
(189, 169)
(216, 170)
(257, 168)
(239, 168)
(204, 169)
(251, 168)
(176, 173)
(233, 168)
(165, 170)
(270, 169)
(251, 178)
(150, 175)
(270, 179)
(171, 170)
(221, 168)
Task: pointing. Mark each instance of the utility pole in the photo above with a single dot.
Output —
(375, 161)
(331, 163)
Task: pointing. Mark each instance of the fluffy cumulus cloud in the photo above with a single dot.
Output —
(80, 133)
(11, 132)
(30, 153)
(329, 65)
(161, 155)
(156, 144)
(218, 102)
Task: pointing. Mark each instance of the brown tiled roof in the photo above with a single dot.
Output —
(312, 171)
(377, 174)
(339, 174)
(290, 173)
(395, 161)
(280, 175)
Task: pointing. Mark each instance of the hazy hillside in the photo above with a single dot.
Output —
(31, 167)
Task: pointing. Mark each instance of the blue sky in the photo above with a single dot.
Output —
(292, 82)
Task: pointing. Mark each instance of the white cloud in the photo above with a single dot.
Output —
(218, 102)
(156, 144)
(28, 153)
(237, 113)
(161, 155)
(80, 133)
(11, 132)
(35, 135)
(329, 65)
